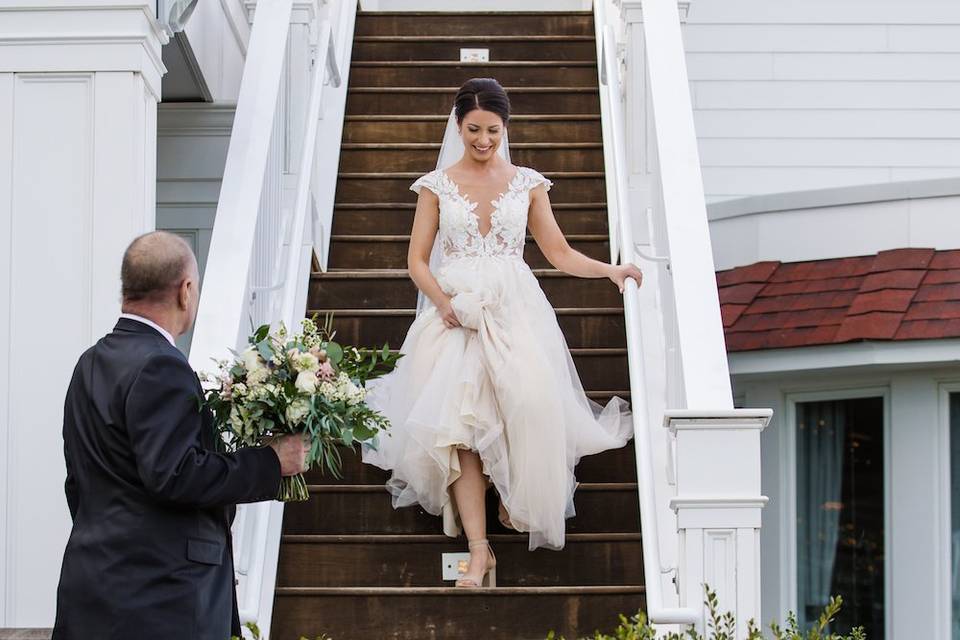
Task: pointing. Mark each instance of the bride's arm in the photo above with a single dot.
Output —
(426, 222)
(558, 252)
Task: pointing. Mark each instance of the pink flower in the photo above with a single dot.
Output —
(326, 371)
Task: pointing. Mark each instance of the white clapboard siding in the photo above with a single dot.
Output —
(828, 123)
(796, 96)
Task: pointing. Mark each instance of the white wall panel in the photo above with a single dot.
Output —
(6, 368)
(50, 321)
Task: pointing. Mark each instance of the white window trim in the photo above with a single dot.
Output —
(788, 491)
(943, 598)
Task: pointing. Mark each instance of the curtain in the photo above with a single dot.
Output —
(955, 510)
(821, 428)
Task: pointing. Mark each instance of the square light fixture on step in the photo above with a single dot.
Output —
(474, 55)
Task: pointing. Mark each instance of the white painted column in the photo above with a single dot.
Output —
(79, 88)
(718, 505)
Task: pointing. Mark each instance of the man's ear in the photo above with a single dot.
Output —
(184, 293)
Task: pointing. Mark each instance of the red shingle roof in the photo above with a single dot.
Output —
(902, 294)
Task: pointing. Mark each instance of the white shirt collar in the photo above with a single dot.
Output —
(150, 323)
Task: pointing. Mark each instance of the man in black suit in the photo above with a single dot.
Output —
(149, 555)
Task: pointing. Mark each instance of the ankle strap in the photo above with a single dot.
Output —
(477, 543)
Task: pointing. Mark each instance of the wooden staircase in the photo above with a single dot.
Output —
(351, 566)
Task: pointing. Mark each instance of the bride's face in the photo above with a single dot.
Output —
(482, 133)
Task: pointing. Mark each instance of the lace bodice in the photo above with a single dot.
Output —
(459, 232)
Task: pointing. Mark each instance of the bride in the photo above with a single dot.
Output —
(487, 393)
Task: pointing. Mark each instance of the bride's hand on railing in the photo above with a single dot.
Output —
(447, 314)
(620, 272)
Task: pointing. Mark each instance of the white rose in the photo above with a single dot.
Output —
(297, 411)
(306, 362)
(251, 359)
(307, 382)
(257, 376)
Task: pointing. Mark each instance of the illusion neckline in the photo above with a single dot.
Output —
(471, 205)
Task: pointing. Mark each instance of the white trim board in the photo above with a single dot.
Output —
(843, 356)
(834, 197)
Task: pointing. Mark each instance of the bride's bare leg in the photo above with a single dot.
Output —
(469, 491)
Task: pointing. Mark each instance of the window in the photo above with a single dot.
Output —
(840, 511)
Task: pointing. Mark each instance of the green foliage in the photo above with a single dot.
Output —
(298, 383)
(722, 627)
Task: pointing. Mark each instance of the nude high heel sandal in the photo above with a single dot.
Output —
(489, 578)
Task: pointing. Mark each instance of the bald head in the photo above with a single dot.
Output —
(154, 266)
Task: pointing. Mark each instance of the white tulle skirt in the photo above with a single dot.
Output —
(504, 385)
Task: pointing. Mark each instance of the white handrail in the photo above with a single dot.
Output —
(249, 208)
(621, 224)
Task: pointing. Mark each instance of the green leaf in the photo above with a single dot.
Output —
(260, 335)
(334, 352)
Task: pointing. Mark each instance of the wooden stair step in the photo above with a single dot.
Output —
(393, 288)
(456, 24)
(560, 128)
(415, 560)
(501, 47)
(437, 100)
(616, 465)
(424, 613)
(397, 218)
(390, 252)
(422, 157)
(601, 508)
(581, 326)
(394, 186)
(443, 73)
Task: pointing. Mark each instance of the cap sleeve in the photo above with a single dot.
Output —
(429, 180)
(534, 179)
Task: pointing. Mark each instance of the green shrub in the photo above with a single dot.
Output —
(721, 627)
(255, 632)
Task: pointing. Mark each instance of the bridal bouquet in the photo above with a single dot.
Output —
(303, 383)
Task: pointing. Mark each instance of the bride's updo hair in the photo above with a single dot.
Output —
(482, 93)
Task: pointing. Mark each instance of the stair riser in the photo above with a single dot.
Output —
(445, 25)
(371, 513)
(455, 75)
(565, 189)
(440, 103)
(580, 331)
(432, 131)
(616, 465)
(401, 293)
(418, 564)
(351, 254)
(449, 617)
(424, 160)
(499, 50)
(399, 221)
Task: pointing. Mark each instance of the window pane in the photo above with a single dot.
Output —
(955, 509)
(840, 542)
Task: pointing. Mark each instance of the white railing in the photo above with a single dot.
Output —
(265, 236)
(622, 245)
(676, 351)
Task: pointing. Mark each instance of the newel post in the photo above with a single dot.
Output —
(718, 504)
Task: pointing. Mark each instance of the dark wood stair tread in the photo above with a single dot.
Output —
(477, 38)
(396, 538)
(413, 205)
(560, 311)
(486, 63)
(453, 591)
(512, 90)
(430, 117)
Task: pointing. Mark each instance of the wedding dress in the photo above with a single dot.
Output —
(502, 384)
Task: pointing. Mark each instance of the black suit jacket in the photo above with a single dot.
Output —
(149, 555)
